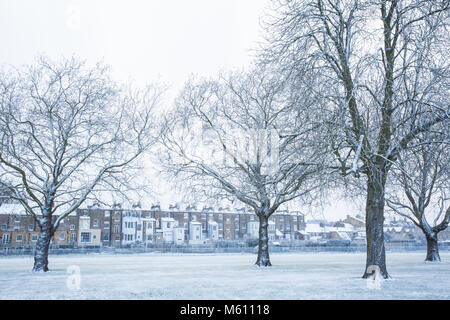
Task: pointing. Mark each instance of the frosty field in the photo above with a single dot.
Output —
(225, 276)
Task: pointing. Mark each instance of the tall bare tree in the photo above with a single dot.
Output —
(259, 143)
(422, 174)
(67, 132)
(384, 77)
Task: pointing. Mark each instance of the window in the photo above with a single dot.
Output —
(236, 218)
(4, 227)
(149, 225)
(17, 219)
(19, 238)
(107, 213)
(106, 225)
(34, 237)
(168, 224)
(72, 227)
(31, 227)
(203, 215)
(106, 237)
(281, 227)
(6, 238)
(62, 236)
(252, 218)
(236, 225)
(95, 223)
(85, 237)
(186, 216)
(74, 237)
(116, 228)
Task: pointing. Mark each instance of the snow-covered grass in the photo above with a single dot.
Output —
(225, 276)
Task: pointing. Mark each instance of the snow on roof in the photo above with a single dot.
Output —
(212, 222)
(348, 227)
(343, 235)
(313, 227)
(393, 229)
(167, 219)
(278, 233)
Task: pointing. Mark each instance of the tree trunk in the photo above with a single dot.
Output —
(263, 246)
(42, 245)
(432, 248)
(376, 254)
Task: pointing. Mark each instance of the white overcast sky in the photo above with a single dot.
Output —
(143, 41)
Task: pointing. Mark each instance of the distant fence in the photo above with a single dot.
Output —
(223, 248)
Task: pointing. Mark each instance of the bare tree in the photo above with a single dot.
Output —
(259, 143)
(422, 174)
(384, 80)
(67, 132)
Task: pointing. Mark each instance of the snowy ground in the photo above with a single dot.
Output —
(225, 276)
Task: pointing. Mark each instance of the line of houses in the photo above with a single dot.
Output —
(97, 226)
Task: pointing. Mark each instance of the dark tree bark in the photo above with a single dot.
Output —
(376, 254)
(432, 248)
(43, 244)
(263, 259)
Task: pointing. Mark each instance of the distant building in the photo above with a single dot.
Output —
(356, 222)
(117, 226)
(89, 232)
(195, 232)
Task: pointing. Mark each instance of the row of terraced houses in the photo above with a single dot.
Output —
(97, 226)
